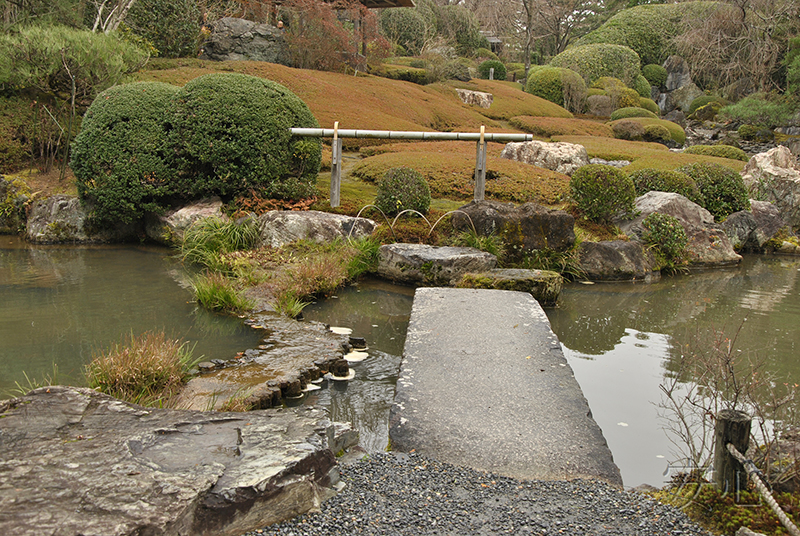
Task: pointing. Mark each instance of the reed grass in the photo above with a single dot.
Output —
(148, 369)
(208, 240)
(216, 292)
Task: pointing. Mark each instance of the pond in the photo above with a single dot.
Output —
(60, 304)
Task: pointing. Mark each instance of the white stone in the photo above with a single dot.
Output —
(478, 98)
(560, 157)
(774, 176)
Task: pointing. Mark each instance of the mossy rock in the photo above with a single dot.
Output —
(543, 285)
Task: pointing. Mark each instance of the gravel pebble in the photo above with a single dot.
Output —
(396, 493)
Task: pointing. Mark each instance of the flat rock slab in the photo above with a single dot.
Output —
(484, 384)
(543, 285)
(421, 264)
(74, 461)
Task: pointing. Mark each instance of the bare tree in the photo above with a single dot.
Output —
(740, 39)
(110, 14)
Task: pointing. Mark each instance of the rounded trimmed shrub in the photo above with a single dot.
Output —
(121, 158)
(722, 188)
(172, 26)
(404, 27)
(230, 133)
(655, 74)
(722, 151)
(402, 189)
(656, 133)
(600, 59)
(499, 69)
(560, 86)
(642, 86)
(661, 180)
(486, 53)
(621, 96)
(748, 132)
(666, 235)
(602, 192)
(650, 105)
(677, 133)
(702, 100)
(633, 111)
(628, 130)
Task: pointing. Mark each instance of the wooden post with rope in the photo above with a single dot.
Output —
(731, 427)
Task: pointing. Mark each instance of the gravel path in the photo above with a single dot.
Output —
(408, 494)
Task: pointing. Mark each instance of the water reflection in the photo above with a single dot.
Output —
(379, 312)
(59, 304)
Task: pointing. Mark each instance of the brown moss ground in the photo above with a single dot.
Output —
(509, 100)
(546, 127)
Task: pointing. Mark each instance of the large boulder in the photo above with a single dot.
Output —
(523, 228)
(57, 219)
(750, 230)
(617, 260)
(477, 98)
(420, 264)
(169, 228)
(239, 39)
(75, 461)
(708, 245)
(774, 176)
(279, 227)
(678, 73)
(560, 157)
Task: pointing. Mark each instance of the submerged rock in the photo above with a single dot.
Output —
(75, 461)
(279, 227)
(543, 285)
(420, 264)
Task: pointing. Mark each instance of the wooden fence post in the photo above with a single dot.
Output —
(731, 427)
(480, 167)
(336, 166)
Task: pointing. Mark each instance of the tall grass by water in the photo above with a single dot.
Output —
(216, 292)
(206, 241)
(148, 369)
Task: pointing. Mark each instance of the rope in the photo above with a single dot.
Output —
(752, 472)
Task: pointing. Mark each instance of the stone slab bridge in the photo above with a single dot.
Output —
(484, 383)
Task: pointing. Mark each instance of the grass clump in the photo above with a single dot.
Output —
(216, 292)
(207, 240)
(602, 192)
(148, 369)
(723, 189)
(722, 151)
(471, 239)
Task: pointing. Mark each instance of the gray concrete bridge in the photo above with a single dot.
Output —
(484, 384)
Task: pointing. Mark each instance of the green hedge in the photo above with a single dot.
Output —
(722, 151)
(660, 180)
(624, 113)
(560, 86)
(403, 189)
(404, 27)
(602, 192)
(676, 132)
(648, 29)
(649, 104)
(596, 60)
(121, 158)
(655, 74)
(499, 69)
(722, 188)
(171, 26)
(642, 86)
(230, 133)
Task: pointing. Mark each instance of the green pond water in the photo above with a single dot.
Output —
(59, 304)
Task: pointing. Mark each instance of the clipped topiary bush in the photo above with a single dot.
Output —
(702, 100)
(404, 27)
(748, 132)
(172, 26)
(230, 133)
(722, 151)
(722, 188)
(621, 96)
(642, 86)
(633, 111)
(597, 60)
(628, 130)
(403, 189)
(486, 53)
(560, 86)
(656, 133)
(666, 236)
(121, 158)
(499, 69)
(649, 104)
(660, 180)
(677, 133)
(602, 192)
(655, 74)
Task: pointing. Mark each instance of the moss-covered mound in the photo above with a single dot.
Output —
(722, 151)
(545, 127)
(509, 101)
(676, 132)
